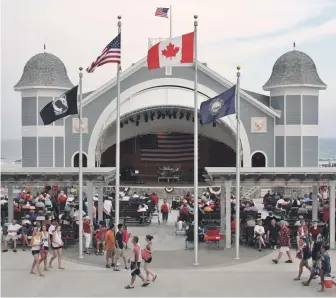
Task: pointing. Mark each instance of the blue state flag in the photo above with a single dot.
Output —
(220, 106)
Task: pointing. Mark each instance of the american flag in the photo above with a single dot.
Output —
(162, 12)
(111, 54)
(167, 147)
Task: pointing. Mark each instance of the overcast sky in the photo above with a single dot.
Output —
(252, 34)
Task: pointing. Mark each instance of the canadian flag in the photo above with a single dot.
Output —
(170, 52)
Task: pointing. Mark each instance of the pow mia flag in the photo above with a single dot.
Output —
(220, 106)
(60, 107)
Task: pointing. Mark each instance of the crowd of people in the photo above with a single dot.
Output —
(44, 219)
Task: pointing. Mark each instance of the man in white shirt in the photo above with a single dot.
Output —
(12, 230)
(259, 233)
(107, 206)
(142, 208)
(76, 215)
(51, 229)
(135, 196)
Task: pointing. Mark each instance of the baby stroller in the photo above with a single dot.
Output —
(180, 228)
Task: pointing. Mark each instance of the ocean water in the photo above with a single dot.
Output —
(11, 150)
(327, 150)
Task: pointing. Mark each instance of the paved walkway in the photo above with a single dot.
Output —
(256, 278)
(169, 249)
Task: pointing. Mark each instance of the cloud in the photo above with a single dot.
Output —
(240, 53)
(77, 30)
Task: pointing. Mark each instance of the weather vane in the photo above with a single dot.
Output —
(294, 45)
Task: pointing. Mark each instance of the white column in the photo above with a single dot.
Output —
(10, 202)
(89, 197)
(228, 185)
(100, 204)
(222, 210)
(315, 203)
(332, 214)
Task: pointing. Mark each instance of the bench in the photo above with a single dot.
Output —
(134, 216)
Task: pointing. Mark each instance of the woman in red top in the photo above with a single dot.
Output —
(100, 239)
(314, 231)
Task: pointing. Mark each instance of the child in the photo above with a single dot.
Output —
(325, 266)
(316, 257)
(304, 254)
(126, 236)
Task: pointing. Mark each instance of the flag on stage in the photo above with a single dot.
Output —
(110, 54)
(170, 52)
(162, 12)
(60, 107)
(220, 106)
(167, 147)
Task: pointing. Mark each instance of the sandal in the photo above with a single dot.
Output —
(154, 278)
(305, 283)
(296, 278)
(129, 287)
(145, 284)
(31, 272)
(62, 268)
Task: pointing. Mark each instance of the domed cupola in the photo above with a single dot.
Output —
(44, 70)
(294, 69)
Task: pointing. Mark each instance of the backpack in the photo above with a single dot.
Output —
(164, 208)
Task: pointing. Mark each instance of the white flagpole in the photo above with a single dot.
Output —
(80, 166)
(170, 22)
(195, 147)
(238, 163)
(117, 176)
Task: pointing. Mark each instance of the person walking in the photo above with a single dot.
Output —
(165, 211)
(135, 260)
(87, 234)
(44, 247)
(304, 254)
(35, 244)
(57, 245)
(110, 246)
(284, 243)
(147, 257)
(120, 248)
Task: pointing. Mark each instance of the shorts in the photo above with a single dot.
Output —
(284, 249)
(11, 237)
(304, 263)
(149, 260)
(120, 253)
(35, 252)
(45, 249)
(56, 248)
(165, 215)
(111, 251)
(135, 272)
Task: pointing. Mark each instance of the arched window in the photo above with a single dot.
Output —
(258, 160)
(76, 160)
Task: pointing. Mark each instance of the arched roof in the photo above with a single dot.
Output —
(294, 68)
(44, 70)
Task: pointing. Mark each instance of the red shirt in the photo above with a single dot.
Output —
(155, 199)
(233, 226)
(314, 232)
(284, 237)
(101, 234)
(87, 227)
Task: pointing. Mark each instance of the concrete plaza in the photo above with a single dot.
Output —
(254, 278)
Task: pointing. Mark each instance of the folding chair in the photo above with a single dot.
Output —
(212, 238)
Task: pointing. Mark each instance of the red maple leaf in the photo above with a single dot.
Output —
(170, 51)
